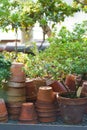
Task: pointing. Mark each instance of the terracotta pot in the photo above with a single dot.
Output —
(32, 87)
(84, 90)
(46, 94)
(72, 110)
(17, 72)
(16, 91)
(16, 85)
(70, 82)
(3, 109)
(56, 85)
(28, 113)
(31, 90)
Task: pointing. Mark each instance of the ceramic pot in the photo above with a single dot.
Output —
(31, 90)
(3, 111)
(17, 72)
(46, 94)
(56, 85)
(32, 87)
(70, 82)
(72, 109)
(28, 113)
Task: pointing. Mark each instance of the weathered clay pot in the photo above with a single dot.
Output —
(17, 72)
(46, 94)
(31, 90)
(70, 82)
(3, 111)
(32, 87)
(56, 85)
(72, 109)
(28, 113)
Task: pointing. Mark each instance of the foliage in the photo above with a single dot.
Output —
(4, 69)
(23, 14)
(66, 53)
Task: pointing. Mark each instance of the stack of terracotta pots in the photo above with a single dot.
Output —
(16, 93)
(28, 114)
(3, 112)
(46, 104)
(32, 86)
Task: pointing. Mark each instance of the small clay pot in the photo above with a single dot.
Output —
(3, 109)
(72, 109)
(31, 90)
(28, 113)
(46, 94)
(17, 72)
(57, 86)
(70, 82)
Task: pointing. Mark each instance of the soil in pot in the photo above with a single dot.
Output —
(72, 109)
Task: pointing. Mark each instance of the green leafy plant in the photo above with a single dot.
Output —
(4, 69)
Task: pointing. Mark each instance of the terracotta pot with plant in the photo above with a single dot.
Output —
(72, 105)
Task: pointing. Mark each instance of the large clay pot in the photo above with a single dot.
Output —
(72, 109)
(17, 73)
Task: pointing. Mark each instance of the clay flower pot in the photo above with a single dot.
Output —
(70, 82)
(56, 85)
(46, 94)
(17, 72)
(28, 113)
(72, 109)
(32, 87)
(3, 111)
